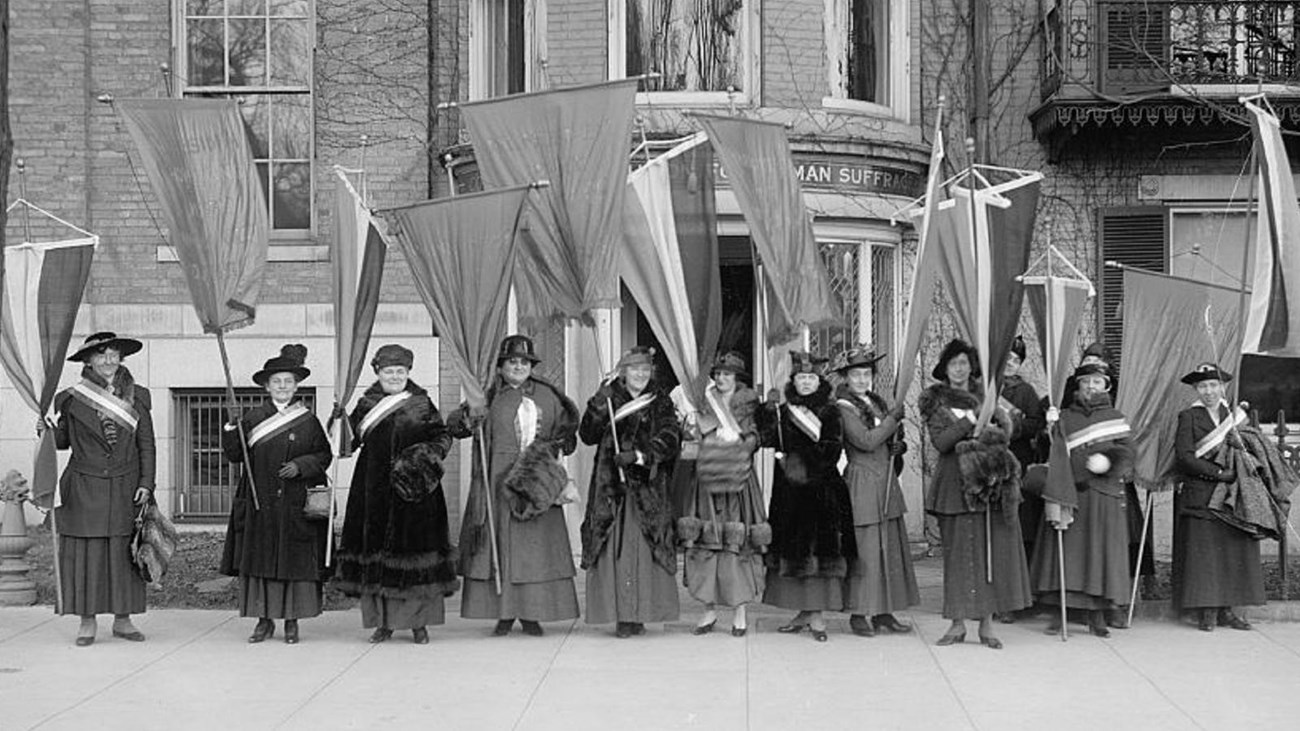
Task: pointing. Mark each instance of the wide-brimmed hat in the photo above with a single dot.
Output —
(290, 360)
(103, 340)
(859, 356)
(1092, 369)
(637, 355)
(801, 362)
(730, 362)
(517, 346)
(392, 355)
(1206, 372)
(954, 348)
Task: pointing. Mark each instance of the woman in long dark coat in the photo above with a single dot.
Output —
(396, 553)
(881, 581)
(1216, 566)
(105, 421)
(1096, 542)
(277, 552)
(530, 425)
(810, 513)
(975, 493)
(628, 537)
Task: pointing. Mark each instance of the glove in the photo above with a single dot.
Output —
(1053, 415)
(773, 396)
(338, 412)
(1234, 441)
(626, 458)
(142, 495)
(897, 412)
(1226, 475)
(897, 447)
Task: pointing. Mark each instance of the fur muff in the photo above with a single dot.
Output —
(760, 535)
(734, 534)
(990, 472)
(535, 481)
(689, 529)
(154, 544)
(417, 472)
(710, 534)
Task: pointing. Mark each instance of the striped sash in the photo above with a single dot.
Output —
(102, 400)
(386, 406)
(806, 420)
(1100, 431)
(1216, 437)
(268, 428)
(722, 413)
(633, 406)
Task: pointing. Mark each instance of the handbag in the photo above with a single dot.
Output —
(318, 503)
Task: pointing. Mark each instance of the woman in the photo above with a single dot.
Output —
(277, 552)
(105, 421)
(725, 566)
(881, 580)
(529, 425)
(1216, 565)
(812, 519)
(1096, 542)
(396, 553)
(1026, 410)
(975, 494)
(628, 546)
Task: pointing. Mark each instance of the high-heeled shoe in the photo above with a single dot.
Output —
(992, 643)
(861, 626)
(891, 623)
(503, 627)
(265, 628)
(420, 635)
(531, 628)
(1229, 618)
(791, 628)
(704, 629)
(1097, 624)
(623, 630)
(381, 634)
(952, 638)
(290, 631)
(1206, 621)
(637, 628)
(739, 631)
(819, 634)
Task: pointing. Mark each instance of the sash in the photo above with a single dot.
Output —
(960, 414)
(720, 412)
(633, 406)
(387, 405)
(268, 428)
(807, 421)
(1216, 437)
(102, 400)
(526, 419)
(1101, 431)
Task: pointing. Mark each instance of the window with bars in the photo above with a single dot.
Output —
(259, 52)
(863, 278)
(1135, 236)
(205, 481)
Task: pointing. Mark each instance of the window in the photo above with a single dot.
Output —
(867, 54)
(703, 49)
(204, 478)
(507, 47)
(1134, 237)
(863, 277)
(259, 52)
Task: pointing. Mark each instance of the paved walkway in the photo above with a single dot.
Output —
(197, 671)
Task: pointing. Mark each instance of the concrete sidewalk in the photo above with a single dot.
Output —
(197, 671)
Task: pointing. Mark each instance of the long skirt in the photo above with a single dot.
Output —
(1136, 516)
(729, 571)
(98, 577)
(276, 599)
(538, 601)
(807, 594)
(882, 579)
(1215, 565)
(625, 584)
(967, 594)
(1097, 572)
(378, 610)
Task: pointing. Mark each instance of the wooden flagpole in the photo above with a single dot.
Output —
(489, 498)
(239, 423)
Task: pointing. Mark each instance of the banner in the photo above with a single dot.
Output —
(1273, 324)
(924, 274)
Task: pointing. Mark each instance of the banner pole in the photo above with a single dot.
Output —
(1142, 545)
(239, 423)
(1060, 561)
(489, 498)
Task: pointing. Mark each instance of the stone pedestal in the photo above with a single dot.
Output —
(16, 588)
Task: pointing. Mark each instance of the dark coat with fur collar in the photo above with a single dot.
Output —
(653, 431)
(395, 538)
(970, 474)
(810, 514)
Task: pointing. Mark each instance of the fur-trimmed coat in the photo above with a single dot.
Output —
(873, 483)
(1029, 418)
(971, 473)
(653, 431)
(810, 512)
(397, 543)
(278, 541)
(527, 483)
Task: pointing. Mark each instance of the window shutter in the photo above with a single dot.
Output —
(1134, 56)
(1135, 237)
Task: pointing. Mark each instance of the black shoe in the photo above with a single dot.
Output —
(819, 635)
(1097, 624)
(1006, 617)
(1117, 618)
(290, 631)
(990, 642)
(532, 629)
(891, 623)
(739, 631)
(420, 635)
(1206, 622)
(265, 628)
(623, 630)
(791, 629)
(637, 628)
(704, 629)
(85, 641)
(381, 634)
(1228, 618)
(503, 628)
(859, 626)
(1053, 626)
(950, 638)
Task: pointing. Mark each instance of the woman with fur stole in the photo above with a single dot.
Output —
(529, 424)
(812, 520)
(628, 546)
(975, 494)
(396, 553)
(724, 567)
(881, 580)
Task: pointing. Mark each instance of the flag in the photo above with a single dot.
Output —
(1273, 323)
(925, 272)
(679, 296)
(197, 158)
(359, 253)
(1170, 325)
(461, 252)
(756, 159)
(43, 287)
(577, 140)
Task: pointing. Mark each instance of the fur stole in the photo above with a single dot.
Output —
(814, 402)
(990, 473)
(153, 544)
(534, 482)
(417, 472)
(942, 395)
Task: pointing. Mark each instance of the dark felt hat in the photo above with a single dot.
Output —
(1206, 372)
(859, 356)
(731, 362)
(954, 348)
(637, 355)
(1097, 350)
(801, 362)
(290, 360)
(102, 341)
(517, 346)
(392, 355)
(1092, 369)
